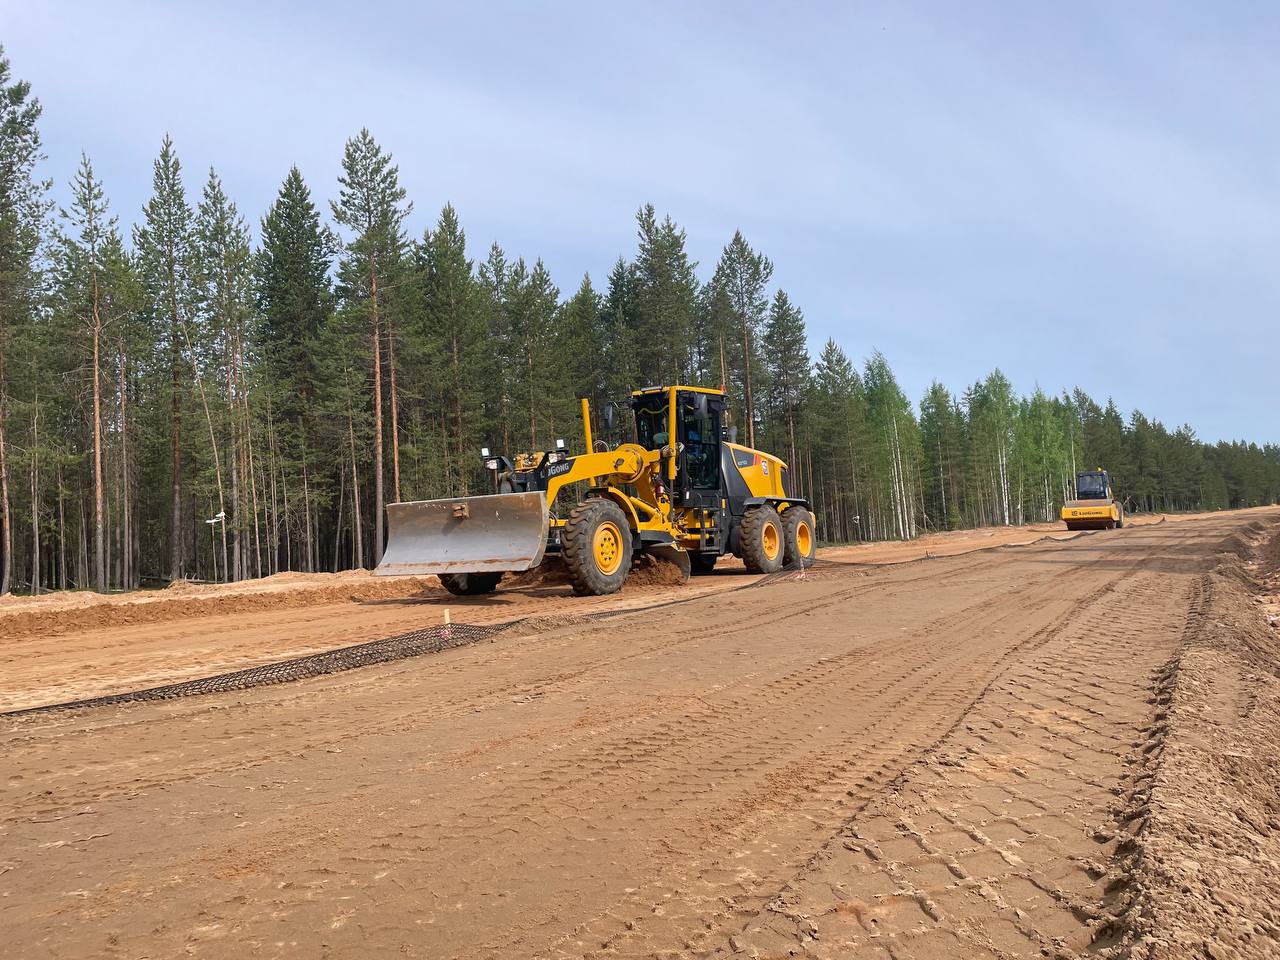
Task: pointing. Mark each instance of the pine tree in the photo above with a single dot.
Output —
(493, 286)
(294, 296)
(739, 301)
(224, 278)
(90, 269)
(24, 212)
(294, 302)
(371, 206)
(583, 338)
(838, 411)
(453, 331)
(164, 245)
(665, 291)
(941, 441)
(787, 362)
(531, 298)
(619, 323)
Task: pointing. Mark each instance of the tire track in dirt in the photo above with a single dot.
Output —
(123, 721)
(1001, 842)
(619, 933)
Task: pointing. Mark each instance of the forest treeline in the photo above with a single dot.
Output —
(187, 396)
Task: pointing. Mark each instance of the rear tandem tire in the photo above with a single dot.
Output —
(470, 584)
(801, 543)
(1119, 517)
(596, 544)
(761, 539)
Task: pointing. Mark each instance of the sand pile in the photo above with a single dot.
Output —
(552, 572)
(648, 571)
(84, 610)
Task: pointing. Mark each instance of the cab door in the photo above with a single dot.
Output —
(698, 469)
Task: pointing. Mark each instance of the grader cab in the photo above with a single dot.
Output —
(682, 492)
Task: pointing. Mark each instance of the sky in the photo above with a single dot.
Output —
(1082, 194)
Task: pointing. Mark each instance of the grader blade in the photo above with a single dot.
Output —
(506, 531)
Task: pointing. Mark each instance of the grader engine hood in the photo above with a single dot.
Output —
(488, 534)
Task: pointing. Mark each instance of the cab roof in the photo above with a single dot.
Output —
(646, 391)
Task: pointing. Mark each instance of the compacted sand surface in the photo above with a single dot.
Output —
(1057, 750)
(68, 646)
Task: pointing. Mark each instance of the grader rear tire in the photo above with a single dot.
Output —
(470, 584)
(596, 543)
(761, 540)
(801, 542)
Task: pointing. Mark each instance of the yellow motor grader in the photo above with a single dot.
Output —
(682, 492)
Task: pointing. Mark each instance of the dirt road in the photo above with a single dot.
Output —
(68, 646)
(949, 759)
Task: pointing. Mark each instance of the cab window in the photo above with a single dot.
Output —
(651, 423)
(1091, 486)
(701, 441)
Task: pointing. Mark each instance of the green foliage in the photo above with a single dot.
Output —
(737, 306)
(293, 295)
(786, 361)
(664, 290)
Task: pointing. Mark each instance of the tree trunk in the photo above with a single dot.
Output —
(35, 498)
(62, 533)
(358, 545)
(749, 410)
(308, 542)
(6, 516)
(337, 524)
(233, 455)
(126, 514)
(533, 417)
(459, 433)
(175, 385)
(395, 412)
(253, 491)
(213, 451)
(378, 493)
(99, 496)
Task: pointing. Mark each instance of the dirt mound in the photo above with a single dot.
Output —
(648, 571)
(552, 572)
(1200, 871)
(1269, 556)
(65, 613)
(1239, 545)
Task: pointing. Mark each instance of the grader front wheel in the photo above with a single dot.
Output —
(596, 542)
